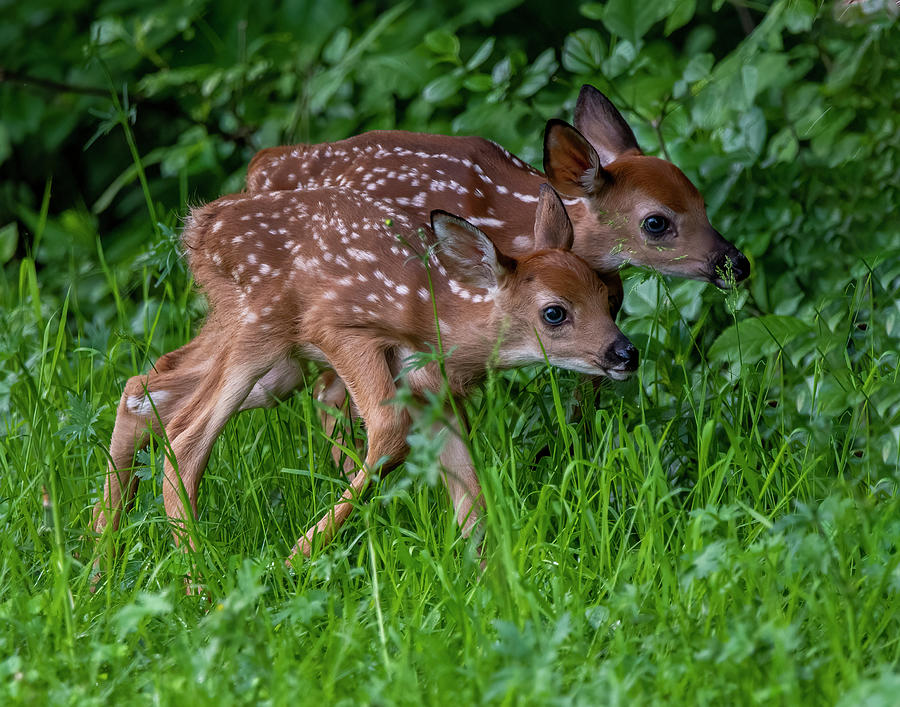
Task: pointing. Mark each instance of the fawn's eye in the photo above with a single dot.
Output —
(655, 225)
(554, 315)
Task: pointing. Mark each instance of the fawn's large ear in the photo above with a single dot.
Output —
(469, 256)
(603, 125)
(572, 165)
(552, 227)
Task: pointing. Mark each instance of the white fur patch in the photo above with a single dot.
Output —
(489, 222)
(141, 405)
(521, 243)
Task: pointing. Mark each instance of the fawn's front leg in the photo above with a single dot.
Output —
(458, 475)
(363, 367)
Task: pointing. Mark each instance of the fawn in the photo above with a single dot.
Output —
(626, 207)
(319, 275)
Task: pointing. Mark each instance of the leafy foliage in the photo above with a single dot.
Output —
(721, 529)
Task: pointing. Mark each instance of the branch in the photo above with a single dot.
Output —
(49, 84)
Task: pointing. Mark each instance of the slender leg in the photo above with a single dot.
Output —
(458, 472)
(196, 426)
(458, 475)
(364, 369)
(148, 402)
(330, 391)
(169, 385)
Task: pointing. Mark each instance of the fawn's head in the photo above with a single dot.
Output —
(549, 301)
(641, 210)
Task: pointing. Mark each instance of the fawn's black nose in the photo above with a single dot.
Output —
(622, 355)
(732, 262)
(740, 266)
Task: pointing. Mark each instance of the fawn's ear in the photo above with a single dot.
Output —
(572, 165)
(467, 253)
(603, 125)
(552, 227)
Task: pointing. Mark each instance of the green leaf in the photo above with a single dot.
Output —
(698, 67)
(442, 88)
(147, 604)
(749, 81)
(750, 340)
(753, 129)
(443, 43)
(630, 20)
(783, 147)
(337, 46)
(799, 15)
(9, 239)
(479, 83)
(81, 418)
(502, 71)
(622, 57)
(583, 51)
(592, 10)
(538, 74)
(680, 15)
(481, 54)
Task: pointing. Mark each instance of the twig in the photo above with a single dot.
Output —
(50, 84)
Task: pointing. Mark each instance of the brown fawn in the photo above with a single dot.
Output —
(626, 207)
(320, 275)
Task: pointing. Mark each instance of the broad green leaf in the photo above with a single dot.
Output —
(799, 15)
(752, 339)
(681, 14)
(442, 88)
(630, 20)
(783, 147)
(622, 57)
(443, 43)
(698, 67)
(479, 83)
(583, 51)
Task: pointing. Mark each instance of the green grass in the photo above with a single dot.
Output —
(693, 537)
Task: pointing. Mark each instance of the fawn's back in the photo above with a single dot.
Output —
(626, 207)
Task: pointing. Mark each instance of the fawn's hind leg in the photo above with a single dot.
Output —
(148, 402)
(331, 391)
(195, 427)
(151, 400)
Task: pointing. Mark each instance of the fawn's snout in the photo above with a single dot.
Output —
(620, 358)
(727, 265)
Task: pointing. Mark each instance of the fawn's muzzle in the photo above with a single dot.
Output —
(620, 358)
(731, 263)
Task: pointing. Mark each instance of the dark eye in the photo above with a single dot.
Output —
(554, 315)
(656, 225)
